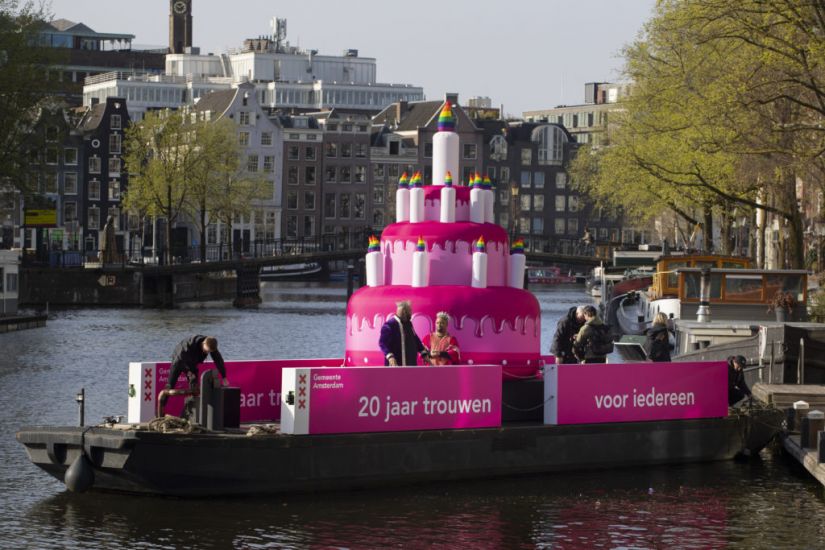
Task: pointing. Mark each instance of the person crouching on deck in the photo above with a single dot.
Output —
(398, 341)
(187, 356)
(443, 347)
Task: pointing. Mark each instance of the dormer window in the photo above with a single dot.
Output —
(498, 148)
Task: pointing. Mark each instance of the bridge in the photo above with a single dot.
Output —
(161, 280)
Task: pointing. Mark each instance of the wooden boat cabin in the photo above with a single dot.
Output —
(666, 280)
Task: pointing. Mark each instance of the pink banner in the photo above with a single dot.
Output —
(259, 381)
(384, 399)
(630, 392)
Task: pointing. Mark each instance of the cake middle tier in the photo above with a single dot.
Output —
(449, 247)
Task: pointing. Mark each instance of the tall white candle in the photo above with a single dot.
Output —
(446, 146)
(480, 264)
(374, 263)
(518, 263)
(448, 200)
(402, 200)
(420, 267)
(477, 207)
(489, 200)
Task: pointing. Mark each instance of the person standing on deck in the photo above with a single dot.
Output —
(442, 345)
(657, 344)
(398, 341)
(593, 342)
(566, 330)
(187, 356)
(737, 387)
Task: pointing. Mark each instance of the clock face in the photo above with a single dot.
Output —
(180, 7)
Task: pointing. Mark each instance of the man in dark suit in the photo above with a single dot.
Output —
(398, 341)
(187, 356)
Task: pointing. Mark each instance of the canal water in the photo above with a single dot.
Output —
(765, 503)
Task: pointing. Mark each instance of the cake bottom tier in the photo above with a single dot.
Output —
(494, 325)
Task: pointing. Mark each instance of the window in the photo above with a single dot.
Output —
(359, 206)
(243, 139)
(50, 182)
(525, 179)
(269, 164)
(331, 150)
(94, 190)
(360, 174)
(395, 147)
(309, 226)
(115, 214)
(266, 138)
(560, 203)
(312, 137)
(347, 127)
(292, 175)
(525, 203)
(361, 150)
(573, 204)
(114, 122)
(51, 155)
(428, 150)
(52, 133)
(504, 219)
(362, 127)
(309, 200)
(243, 118)
(11, 282)
(603, 233)
(292, 226)
(393, 171)
(292, 200)
(114, 144)
(498, 148)
(329, 205)
(93, 218)
(70, 183)
(346, 174)
(561, 180)
(309, 152)
(378, 217)
(524, 225)
(526, 157)
(378, 172)
(538, 225)
(294, 136)
(559, 229)
(114, 190)
(538, 180)
(346, 150)
(538, 203)
(329, 174)
(293, 152)
(505, 175)
(114, 166)
(344, 204)
(551, 140)
(332, 127)
(469, 150)
(70, 156)
(572, 226)
(309, 173)
(377, 195)
(252, 163)
(504, 197)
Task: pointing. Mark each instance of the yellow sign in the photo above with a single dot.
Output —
(41, 218)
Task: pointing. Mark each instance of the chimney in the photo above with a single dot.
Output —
(400, 111)
(452, 98)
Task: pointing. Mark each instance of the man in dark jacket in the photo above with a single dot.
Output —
(566, 331)
(398, 341)
(187, 356)
(593, 341)
(737, 387)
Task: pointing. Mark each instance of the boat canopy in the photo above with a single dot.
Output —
(743, 286)
(666, 282)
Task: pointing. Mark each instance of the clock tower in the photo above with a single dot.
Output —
(180, 25)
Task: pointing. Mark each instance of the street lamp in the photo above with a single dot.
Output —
(514, 191)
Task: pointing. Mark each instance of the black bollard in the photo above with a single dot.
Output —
(80, 476)
(350, 282)
(81, 407)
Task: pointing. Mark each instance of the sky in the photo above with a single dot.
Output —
(522, 54)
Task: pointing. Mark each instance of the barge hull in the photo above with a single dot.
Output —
(234, 464)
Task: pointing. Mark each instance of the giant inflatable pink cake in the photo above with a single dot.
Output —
(445, 253)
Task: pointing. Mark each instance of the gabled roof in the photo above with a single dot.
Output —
(92, 117)
(62, 24)
(217, 102)
(416, 114)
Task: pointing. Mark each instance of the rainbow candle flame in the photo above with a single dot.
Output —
(374, 244)
(446, 121)
(421, 246)
(476, 181)
(448, 179)
(404, 181)
(486, 183)
(480, 246)
(417, 180)
(518, 247)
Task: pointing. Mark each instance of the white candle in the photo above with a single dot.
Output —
(420, 267)
(518, 263)
(477, 207)
(417, 205)
(402, 205)
(375, 268)
(479, 265)
(445, 155)
(489, 198)
(448, 200)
